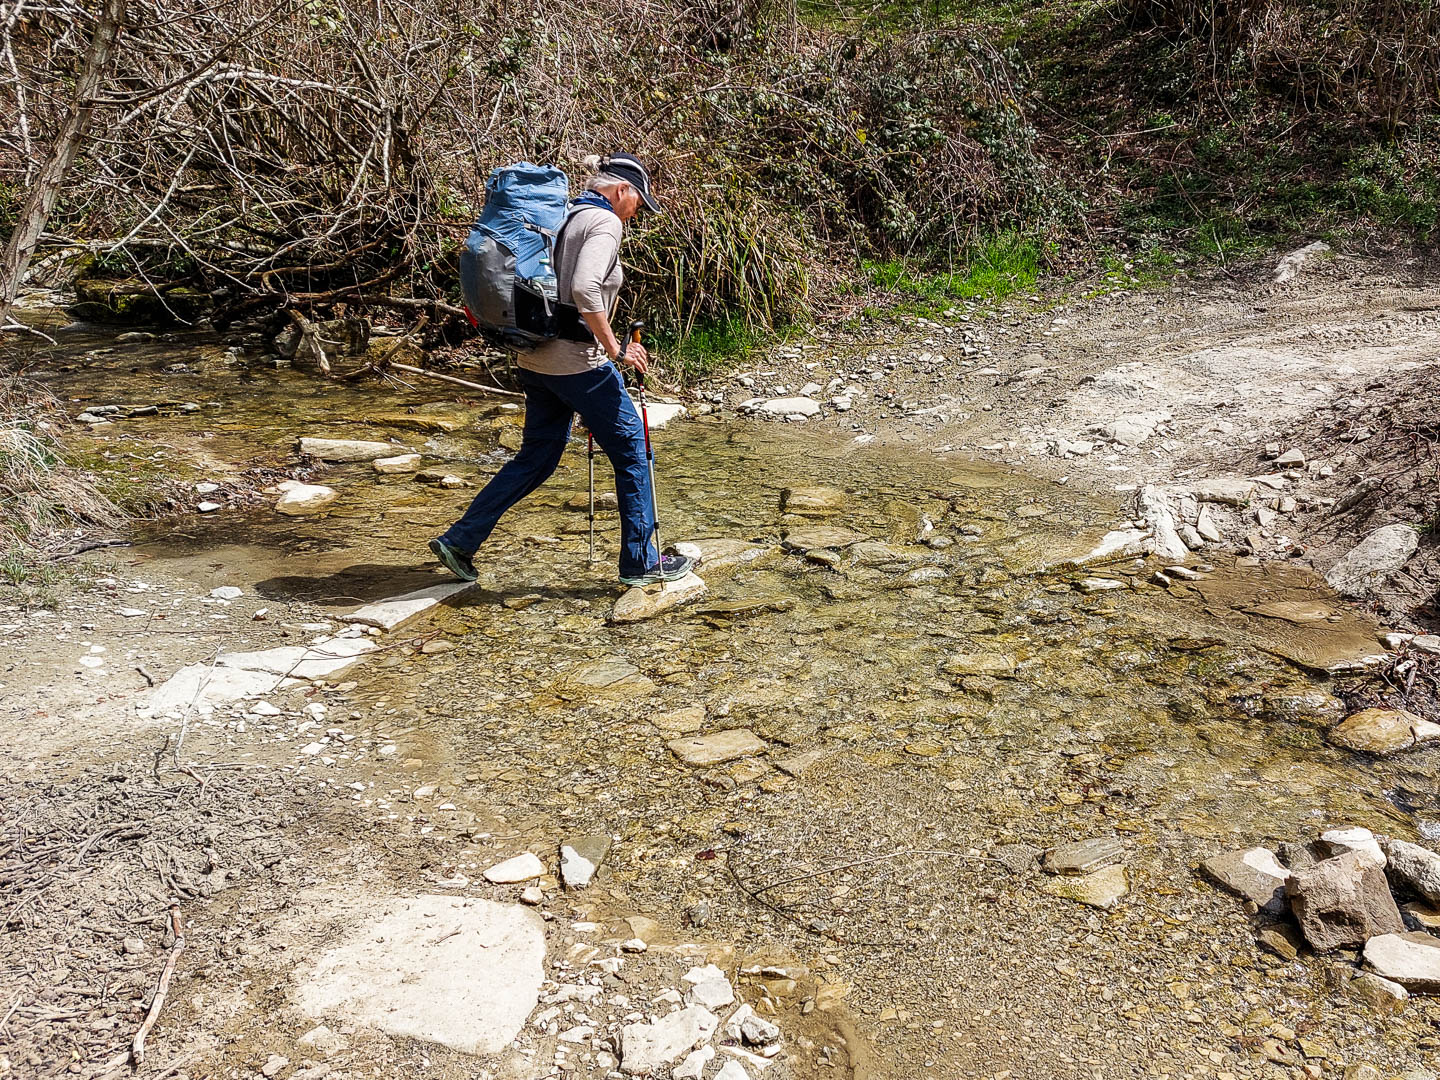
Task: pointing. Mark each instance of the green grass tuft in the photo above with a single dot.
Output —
(709, 348)
(993, 270)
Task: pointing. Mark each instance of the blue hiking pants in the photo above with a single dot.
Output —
(551, 402)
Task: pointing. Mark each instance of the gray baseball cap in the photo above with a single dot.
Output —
(628, 167)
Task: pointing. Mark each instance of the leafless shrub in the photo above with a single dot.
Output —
(1378, 60)
(281, 152)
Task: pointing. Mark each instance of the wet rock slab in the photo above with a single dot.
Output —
(812, 501)
(722, 746)
(1084, 856)
(991, 665)
(1412, 960)
(1255, 874)
(1383, 731)
(811, 537)
(1101, 889)
(607, 680)
(464, 973)
(397, 611)
(723, 551)
(647, 601)
(346, 450)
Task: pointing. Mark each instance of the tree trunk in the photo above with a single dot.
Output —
(35, 212)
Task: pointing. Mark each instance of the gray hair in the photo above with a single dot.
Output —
(604, 180)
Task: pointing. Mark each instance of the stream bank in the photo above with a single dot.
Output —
(932, 697)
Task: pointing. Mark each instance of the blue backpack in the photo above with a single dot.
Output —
(507, 270)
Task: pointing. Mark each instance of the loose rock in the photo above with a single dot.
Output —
(1342, 902)
(790, 406)
(1102, 889)
(646, 1047)
(648, 601)
(1339, 841)
(401, 463)
(1254, 874)
(693, 1067)
(1370, 564)
(1410, 959)
(1084, 856)
(345, 450)
(1383, 731)
(812, 501)
(302, 499)
(1379, 993)
(524, 867)
(581, 857)
(1414, 868)
(720, 747)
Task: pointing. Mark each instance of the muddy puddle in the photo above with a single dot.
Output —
(928, 680)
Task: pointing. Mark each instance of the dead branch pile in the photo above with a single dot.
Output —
(279, 152)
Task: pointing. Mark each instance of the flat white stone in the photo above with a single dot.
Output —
(410, 974)
(662, 412)
(302, 499)
(1156, 512)
(790, 406)
(401, 463)
(204, 684)
(345, 450)
(717, 748)
(713, 993)
(325, 657)
(647, 1047)
(1357, 839)
(1412, 960)
(524, 867)
(1113, 544)
(693, 1067)
(396, 611)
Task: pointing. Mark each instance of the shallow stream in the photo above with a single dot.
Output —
(921, 703)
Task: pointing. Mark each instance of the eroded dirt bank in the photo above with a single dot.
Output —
(933, 698)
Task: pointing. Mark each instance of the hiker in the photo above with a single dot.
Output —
(580, 372)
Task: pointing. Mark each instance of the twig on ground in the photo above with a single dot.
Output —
(137, 1048)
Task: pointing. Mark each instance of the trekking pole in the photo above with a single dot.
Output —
(591, 455)
(633, 336)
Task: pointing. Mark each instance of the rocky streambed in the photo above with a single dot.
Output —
(921, 780)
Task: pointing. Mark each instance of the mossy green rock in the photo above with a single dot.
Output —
(134, 303)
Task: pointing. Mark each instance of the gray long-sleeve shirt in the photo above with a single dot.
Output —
(588, 274)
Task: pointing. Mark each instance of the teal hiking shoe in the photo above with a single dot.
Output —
(669, 568)
(456, 562)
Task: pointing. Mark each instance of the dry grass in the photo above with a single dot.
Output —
(43, 501)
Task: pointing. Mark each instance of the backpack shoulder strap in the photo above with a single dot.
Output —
(570, 214)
